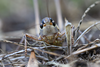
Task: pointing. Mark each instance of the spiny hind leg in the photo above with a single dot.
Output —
(24, 39)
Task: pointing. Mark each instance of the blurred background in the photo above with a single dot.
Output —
(18, 17)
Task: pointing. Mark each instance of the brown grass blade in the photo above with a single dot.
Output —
(32, 61)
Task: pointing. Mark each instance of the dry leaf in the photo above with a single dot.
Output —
(32, 61)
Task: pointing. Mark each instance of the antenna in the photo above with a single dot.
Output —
(47, 7)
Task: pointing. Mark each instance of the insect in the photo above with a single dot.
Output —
(49, 32)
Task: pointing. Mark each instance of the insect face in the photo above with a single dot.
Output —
(47, 22)
(48, 26)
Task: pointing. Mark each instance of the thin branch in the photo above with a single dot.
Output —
(84, 37)
(88, 29)
(10, 62)
(83, 50)
(86, 49)
(14, 53)
(62, 65)
(6, 41)
(83, 16)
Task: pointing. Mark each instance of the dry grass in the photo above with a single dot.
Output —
(84, 52)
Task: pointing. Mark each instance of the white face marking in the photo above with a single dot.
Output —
(47, 20)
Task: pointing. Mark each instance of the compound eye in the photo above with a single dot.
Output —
(51, 20)
(41, 26)
(53, 23)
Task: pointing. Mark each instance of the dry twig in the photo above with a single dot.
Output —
(83, 16)
(87, 30)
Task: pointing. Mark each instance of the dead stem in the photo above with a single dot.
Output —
(84, 37)
(83, 16)
(88, 29)
(6, 41)
(86, 49)
(68, 36)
